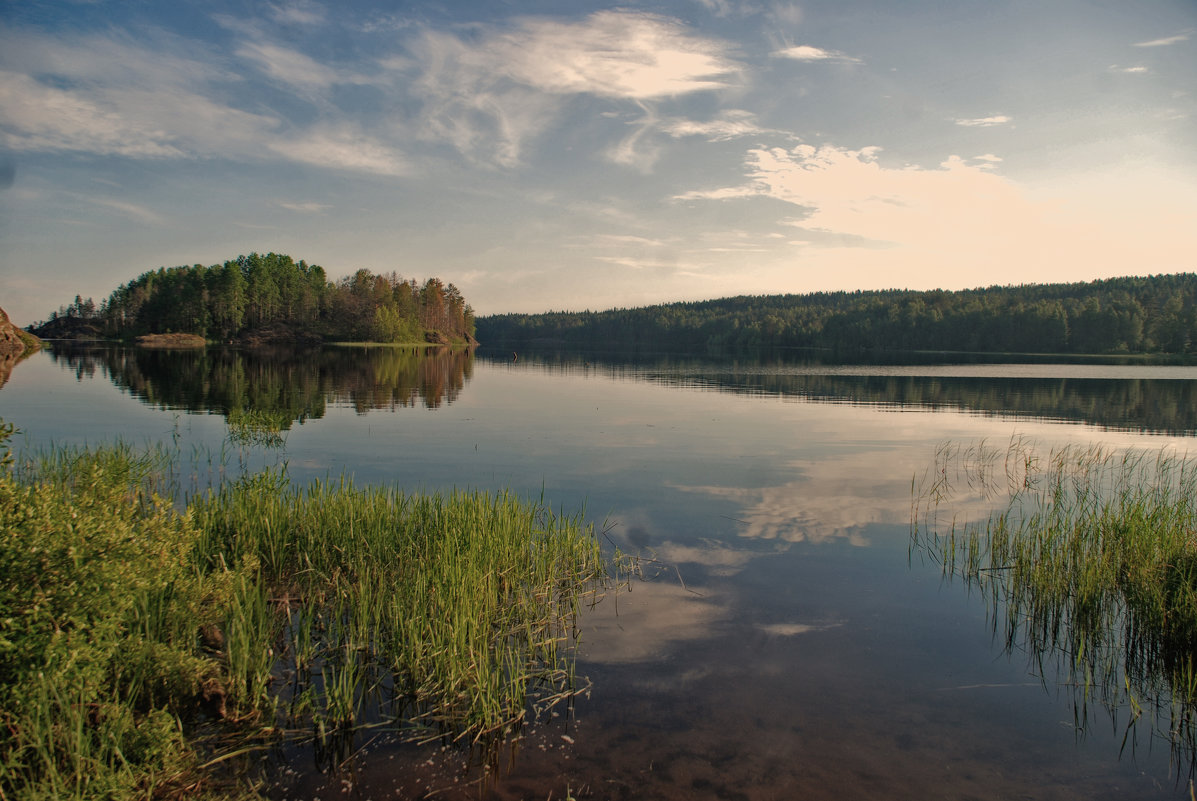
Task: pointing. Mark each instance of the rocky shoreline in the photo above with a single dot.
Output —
(15, 345)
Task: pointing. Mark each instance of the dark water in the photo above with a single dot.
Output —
(790, 645)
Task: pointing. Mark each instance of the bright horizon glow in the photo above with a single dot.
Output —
(543, 159)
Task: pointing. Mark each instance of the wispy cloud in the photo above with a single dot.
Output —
(488, 96)
(342, 147)
(622, 240)
(730, 124)
(306, 208)
(637, 149)
(984, 122)
(110, 95)
(141, 101)
(298, 12)
(157, 122)
(1165, 41)
(133, 211)
(288, 66)
(1132, 70)
(35, 116)
(809, 53)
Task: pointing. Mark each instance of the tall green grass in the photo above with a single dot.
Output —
(129, 627)
(1089, 555)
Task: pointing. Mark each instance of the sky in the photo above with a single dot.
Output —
(569, 156)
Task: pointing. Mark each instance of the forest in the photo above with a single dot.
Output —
(257, 293)
(1152, 314)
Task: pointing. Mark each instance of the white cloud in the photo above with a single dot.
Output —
(963, 224)
(1164, 42)
(614, 54)
(1132, 70)
(809, 53)
(848, 192)
(984, 122)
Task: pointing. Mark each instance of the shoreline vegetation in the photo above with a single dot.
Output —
(1089, 568)
(148, 644)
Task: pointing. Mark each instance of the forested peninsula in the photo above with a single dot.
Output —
(1153, 314)
(269, 298)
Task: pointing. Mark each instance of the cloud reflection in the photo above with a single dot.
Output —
(646, 622)
(834, 499)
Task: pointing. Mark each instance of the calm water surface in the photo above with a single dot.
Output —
(789, 646)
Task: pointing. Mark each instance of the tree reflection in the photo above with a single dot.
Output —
(1132, 404)
(279, 387)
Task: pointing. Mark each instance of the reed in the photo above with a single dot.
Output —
(258, 428)
(464, 600)
(128, 625)
(1087, 553)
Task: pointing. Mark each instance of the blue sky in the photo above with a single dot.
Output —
(586, 156)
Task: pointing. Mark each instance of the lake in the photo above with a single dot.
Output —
(787, 642)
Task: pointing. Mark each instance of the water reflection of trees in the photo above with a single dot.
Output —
(1149, 405)
(285, 385)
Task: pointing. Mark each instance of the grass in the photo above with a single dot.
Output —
(1091, 556)
(132, 630)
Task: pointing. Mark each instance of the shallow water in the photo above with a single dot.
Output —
(787, 644)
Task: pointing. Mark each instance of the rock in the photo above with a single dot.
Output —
(15, 341)
(213, 700)
(15, 345)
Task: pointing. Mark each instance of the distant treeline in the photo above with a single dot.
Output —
(1147, 314)
(259, 292)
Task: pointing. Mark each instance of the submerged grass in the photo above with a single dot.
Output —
(1092, 555)
(129, 628)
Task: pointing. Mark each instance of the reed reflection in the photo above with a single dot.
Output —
(1089, 568)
